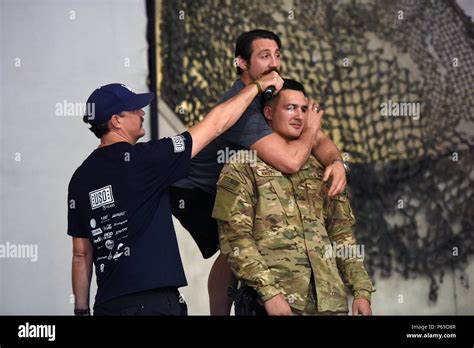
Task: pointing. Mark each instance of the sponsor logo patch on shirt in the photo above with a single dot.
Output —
(96, 231)
(101, 197)
(178, 143)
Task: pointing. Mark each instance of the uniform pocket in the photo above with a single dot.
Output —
(225, 201)
(313, 188)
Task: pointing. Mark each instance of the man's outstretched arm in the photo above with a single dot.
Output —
(225, 115)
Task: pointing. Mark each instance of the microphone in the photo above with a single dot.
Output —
(268, 93)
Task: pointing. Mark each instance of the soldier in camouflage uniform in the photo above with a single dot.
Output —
(283, 235)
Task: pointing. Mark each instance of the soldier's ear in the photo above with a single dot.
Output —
(268, 113)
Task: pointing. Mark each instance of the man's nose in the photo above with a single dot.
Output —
(274, 62)
(141, 112)
(298, 114)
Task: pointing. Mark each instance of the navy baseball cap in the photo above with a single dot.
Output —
(112, 99)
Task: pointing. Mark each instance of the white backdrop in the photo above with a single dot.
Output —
(54, 51)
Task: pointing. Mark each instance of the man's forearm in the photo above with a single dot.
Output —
(300, 149)
(325, 150)
(355, 276)
(81, 280)
(339, 222)
(225, 115)
(351, 265)
(285, 156)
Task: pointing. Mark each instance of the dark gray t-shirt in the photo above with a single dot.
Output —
(207, 165)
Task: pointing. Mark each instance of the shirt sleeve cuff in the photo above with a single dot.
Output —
(267, 292)
(363, 294)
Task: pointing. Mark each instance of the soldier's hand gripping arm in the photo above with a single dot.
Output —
(338, 225)
(234, 211)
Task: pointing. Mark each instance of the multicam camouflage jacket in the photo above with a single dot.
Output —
(278, 231)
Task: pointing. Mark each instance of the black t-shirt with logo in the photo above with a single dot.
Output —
(118, 199)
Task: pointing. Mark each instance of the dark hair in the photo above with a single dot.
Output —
(243, 45)
(99, 130)
(287, 84)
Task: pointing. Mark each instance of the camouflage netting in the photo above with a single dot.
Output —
(412, 178)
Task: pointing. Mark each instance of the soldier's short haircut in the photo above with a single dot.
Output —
(287, 84)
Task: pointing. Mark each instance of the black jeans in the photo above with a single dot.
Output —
(161, 301)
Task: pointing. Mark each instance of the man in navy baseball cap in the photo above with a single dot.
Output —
(119, 212)
(115, 107)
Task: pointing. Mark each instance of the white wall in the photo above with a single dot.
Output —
(66, 50)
